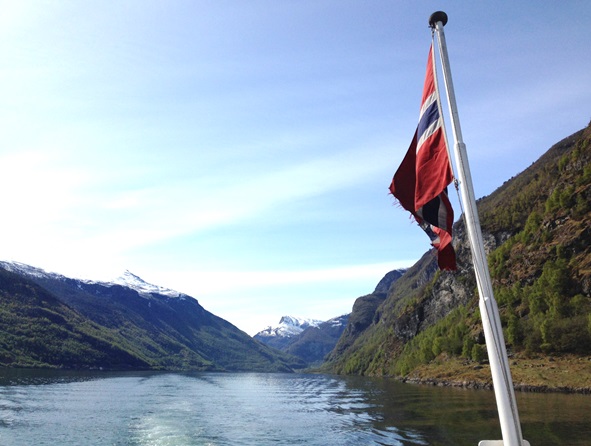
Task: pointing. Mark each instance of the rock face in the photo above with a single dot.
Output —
(364, 312)
(384, 285)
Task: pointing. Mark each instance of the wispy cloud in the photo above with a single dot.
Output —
(321, 293)
(212, 283)
(57, 200)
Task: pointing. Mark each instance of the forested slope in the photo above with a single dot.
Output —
(52, 321)
(537, 233)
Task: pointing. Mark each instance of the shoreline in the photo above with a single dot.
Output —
(477, 385)
(558, 374)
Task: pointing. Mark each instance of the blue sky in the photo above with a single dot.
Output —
(241, 151)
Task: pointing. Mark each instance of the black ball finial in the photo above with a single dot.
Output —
(438, 16)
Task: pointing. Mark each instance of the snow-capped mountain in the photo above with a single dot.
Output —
(127, 279)
(311, 340)
(130, 280)
(314, 343)
(283, 335)
(28, 270)
(337, 322)
(50, 320)
(308, 339)
(288, 327)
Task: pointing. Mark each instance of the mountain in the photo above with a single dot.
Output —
(312, 340)
(315, 342)
(49, 320)
(307, 339)
(134, 282)
(284, 334)
(537, 233)
(364, 310)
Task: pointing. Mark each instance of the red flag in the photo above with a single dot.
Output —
(420, 183)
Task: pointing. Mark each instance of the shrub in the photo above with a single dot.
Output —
(478, 353)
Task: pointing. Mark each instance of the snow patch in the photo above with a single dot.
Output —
(29, 271)
(130, 280)
(289, 326)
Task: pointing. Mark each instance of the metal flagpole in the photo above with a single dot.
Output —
(493, 332)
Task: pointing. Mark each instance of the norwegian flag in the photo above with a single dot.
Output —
(420, 183)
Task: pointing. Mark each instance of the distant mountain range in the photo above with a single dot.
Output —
(52, 321)
(311, 340)
(284, 334)
(49, 320)
(307, 339)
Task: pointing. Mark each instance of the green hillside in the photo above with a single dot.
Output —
(65, 323)
(37, 330)
(537, 230)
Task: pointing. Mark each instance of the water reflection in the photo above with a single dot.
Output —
(452, 416)
(34, 377)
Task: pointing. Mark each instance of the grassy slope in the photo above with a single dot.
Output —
(569, 373)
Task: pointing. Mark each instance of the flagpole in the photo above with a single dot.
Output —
(493, 331)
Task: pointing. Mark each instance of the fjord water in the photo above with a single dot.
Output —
(68, 408)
